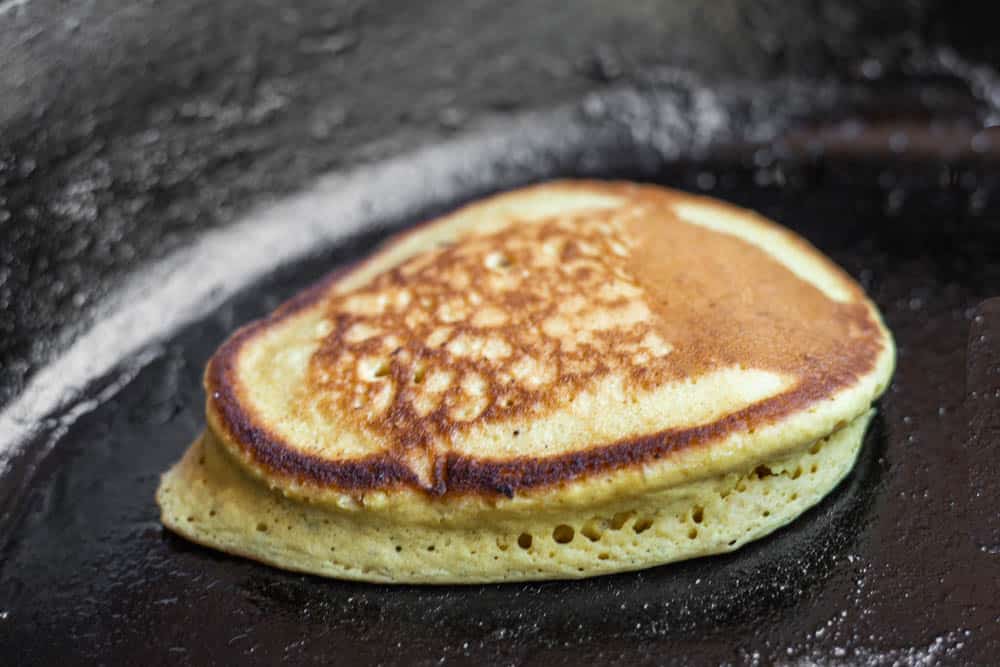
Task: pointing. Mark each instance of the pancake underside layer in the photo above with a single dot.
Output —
(210, 500)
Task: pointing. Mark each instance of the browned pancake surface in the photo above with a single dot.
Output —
(514, 323)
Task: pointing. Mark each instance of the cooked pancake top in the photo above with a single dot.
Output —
(513, 324)
(489, 327)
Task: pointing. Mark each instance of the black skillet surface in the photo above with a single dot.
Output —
(899, 565)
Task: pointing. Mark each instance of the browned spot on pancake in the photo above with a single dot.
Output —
(517, 322)
(494, 326)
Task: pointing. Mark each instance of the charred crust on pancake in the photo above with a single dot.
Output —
(456, 473)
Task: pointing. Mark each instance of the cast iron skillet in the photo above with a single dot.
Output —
(890, 173)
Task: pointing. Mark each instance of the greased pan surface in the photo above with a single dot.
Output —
(890, 177)
(893, 565)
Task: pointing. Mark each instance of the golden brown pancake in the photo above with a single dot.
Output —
(508, 383)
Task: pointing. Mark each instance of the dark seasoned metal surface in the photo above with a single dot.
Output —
(884, 570)
(891, 174)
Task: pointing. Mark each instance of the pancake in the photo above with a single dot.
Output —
(567, 380)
